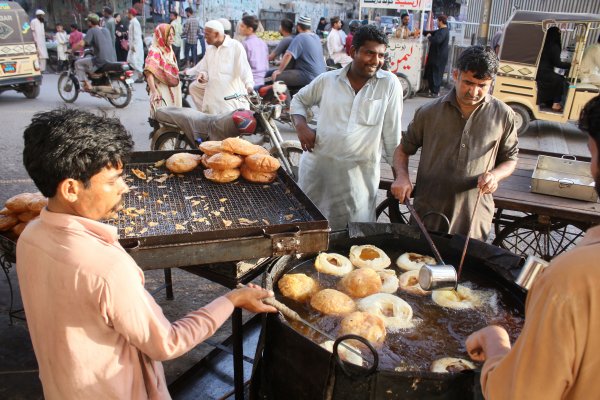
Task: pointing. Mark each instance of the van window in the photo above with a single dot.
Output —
(14, 27)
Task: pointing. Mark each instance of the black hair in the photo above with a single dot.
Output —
(589, 119)
(368, 33)
(482, 61)
(404, 15)
(74, 26)
(107, 10)
(442, 18)
(287, 25)
(175, 13)
(334, 20)
(189, 10)
(70, 143)
(552, 37)
(58, 24)
(116, 15)
(251, 22)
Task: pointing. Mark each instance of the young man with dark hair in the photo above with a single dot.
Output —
(286, 28)
(256, 49)
(104, 50)
(360, 109)
(437, 56)
(558, 351)
(307, 52)
(96, 332)
(458, 135)
(336, 43)
(191, 27)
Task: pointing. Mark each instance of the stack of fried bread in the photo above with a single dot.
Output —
(19, 210)
(226, 160)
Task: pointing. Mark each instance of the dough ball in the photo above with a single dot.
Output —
(238, 146)
(369, 256)
(361, 282)
(262, 163)
(451, 365)
(211, 147)
(257, 177)
(223, 161)
(462, 298)
(180, 163)
(332, 302)
(222, 176)
(297, 287)
(333, 264)
(414, 261)
(364, 324)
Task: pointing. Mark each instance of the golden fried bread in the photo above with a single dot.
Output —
(27, 216)
(262, 163)
(222, 176)
(238, 146)
(361, 282)
(299, 287)
(182, 162)
(19, 203)
(37, 202)
(211, 147)
(224, 161)
(7, 222)
(18, 228)
(332, 302)
(257, 177)
(364, 324)
(203, 160)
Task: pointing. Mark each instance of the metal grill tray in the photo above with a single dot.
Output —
(188, 220)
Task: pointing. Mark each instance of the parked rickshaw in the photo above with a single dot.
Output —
(520, 52)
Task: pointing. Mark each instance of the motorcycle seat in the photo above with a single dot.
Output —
(114, 67)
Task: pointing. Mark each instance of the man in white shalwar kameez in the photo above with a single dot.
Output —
(336, 43)
(360, 109)
(39, 36)
(135, 56)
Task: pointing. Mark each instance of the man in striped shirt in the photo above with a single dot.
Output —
(190, 36)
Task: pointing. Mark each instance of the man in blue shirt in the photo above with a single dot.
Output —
(307, 51)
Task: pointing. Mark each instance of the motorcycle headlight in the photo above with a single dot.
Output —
(277, 111)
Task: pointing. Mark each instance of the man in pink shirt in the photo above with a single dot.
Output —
(96, 332)
(256, 49)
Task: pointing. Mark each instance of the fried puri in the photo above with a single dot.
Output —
(257, 177)
(180, 163)
(262, 163)
(211, 147)
(368, 256)
(223, 161)
(361, 282)
(299, 287)
(238, 146)
(332, 302)
(222, 176)
(364, 324)
(7, 222)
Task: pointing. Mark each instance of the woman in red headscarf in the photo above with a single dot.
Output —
(161, 71)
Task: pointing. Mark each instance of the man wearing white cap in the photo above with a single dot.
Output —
(224, 71)
(39, 36)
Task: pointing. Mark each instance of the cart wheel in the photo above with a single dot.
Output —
(522, 118)
(292, 151)
(539, 236)
(389, 210)
(406, 87)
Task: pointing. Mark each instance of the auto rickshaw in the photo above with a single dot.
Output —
(19, 64)
(520, 52)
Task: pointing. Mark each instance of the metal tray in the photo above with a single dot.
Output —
(563, 177)
(187, 220)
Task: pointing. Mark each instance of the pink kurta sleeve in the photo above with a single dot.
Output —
(133, 313)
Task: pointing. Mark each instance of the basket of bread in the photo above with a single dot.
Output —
(18, 211)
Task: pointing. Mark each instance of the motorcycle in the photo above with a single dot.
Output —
(183, 128)
(112, 82)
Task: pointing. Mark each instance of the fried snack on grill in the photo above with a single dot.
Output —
(343, 352)
(139, 173)
(260, 150)
(182, 162)
(238, 146)
(257, 177)
(409, 282)
(222, 176)
(203, 160)
(462, 298)
(396, 313)
(369, 256)
(332, 302)
(224, 161)
(299, 287)
(18, 228)
(413, 261)
(361, 282)
(211, 147)
(7, 222)
(37, 202)
(19, 203)
(27, 216)
(364, 324)
(262, 163)
(389, 281)
(451, 365)
(333, 264)
(5, 211)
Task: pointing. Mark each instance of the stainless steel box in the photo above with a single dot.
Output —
(563, 177)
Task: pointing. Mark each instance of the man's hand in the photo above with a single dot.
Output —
(202, 78)
(250, 298)
(488, 342)
(487, 183)
(402, 188)
(250, 90)
(307, 137)
(275, 74)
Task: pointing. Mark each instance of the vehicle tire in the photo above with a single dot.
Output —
(123, 100)
(406, 87)
(32, 91)
(292, 152)
(68, 88)
(522, 118)
(172, 141)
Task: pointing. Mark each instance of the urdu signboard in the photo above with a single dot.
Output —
(397, 4)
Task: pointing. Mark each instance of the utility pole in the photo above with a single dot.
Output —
(484, 22)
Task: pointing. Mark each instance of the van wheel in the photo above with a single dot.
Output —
(31, 92)
(522, 118)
